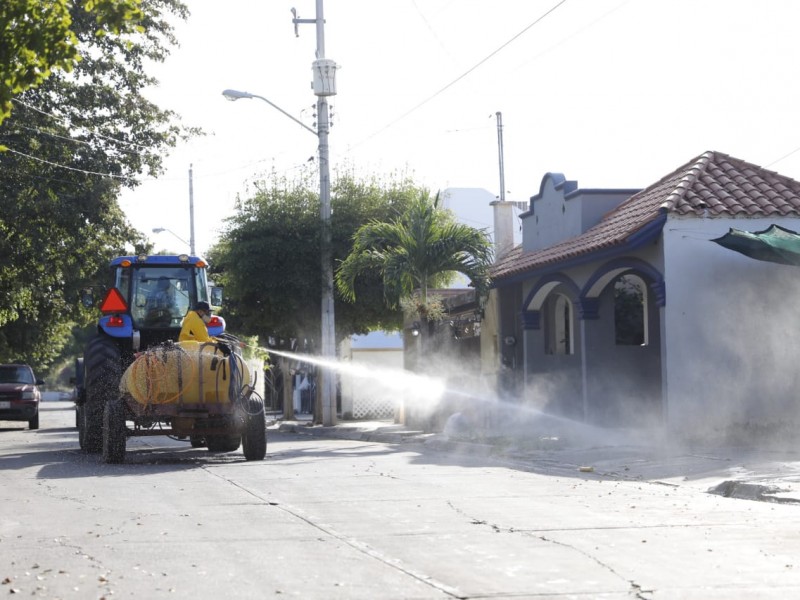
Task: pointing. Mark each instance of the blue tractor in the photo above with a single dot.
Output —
(142, 311)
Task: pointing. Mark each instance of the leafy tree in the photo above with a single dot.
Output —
(414, 252)
(73, 143)
(36, 37)
(268, 258)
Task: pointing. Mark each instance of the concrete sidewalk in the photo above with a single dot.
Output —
(769, 475)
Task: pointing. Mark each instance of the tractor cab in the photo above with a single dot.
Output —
(150, 296)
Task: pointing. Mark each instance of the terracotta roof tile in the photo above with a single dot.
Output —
(712, 182)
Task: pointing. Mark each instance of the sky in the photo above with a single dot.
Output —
(611, 93)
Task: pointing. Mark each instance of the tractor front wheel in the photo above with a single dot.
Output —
(114, 431)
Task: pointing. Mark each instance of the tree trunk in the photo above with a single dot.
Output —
(288, 388)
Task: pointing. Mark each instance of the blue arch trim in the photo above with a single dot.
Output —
(573, 288)
(638, 266)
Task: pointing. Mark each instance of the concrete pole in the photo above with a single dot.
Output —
(191, 213)
(500, 156)
(328, 333)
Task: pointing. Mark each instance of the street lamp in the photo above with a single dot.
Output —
(234, 95)
(163, 229)
(324, 85)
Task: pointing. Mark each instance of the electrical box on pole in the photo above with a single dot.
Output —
(324, 83)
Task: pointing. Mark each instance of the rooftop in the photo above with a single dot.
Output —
(712, 184)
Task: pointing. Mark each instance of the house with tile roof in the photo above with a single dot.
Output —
(618, 309)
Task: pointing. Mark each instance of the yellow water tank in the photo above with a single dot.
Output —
(187, 373)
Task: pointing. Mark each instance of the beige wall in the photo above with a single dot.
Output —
(364, 398)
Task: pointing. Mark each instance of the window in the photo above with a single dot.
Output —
(630, 310)
(161, 296)
(13, 374)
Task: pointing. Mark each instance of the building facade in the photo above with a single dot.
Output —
(618, 308)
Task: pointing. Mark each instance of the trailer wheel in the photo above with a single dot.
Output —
(103, 371)
(254, 439)
(114, 431)
(223, 443)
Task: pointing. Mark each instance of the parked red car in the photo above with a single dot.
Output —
(19, 394)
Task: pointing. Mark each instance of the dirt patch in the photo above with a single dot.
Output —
(751, 491)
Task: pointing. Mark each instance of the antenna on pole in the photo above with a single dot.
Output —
(297, 20)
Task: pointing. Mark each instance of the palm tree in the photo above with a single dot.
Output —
(422, 248)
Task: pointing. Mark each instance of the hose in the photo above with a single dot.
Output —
(150, 374)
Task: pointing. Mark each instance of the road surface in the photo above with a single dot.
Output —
(326, 518)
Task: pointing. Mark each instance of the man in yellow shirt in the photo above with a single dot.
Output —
(194, 326)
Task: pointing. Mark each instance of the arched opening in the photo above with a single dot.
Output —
(630, 311)
(559, 330)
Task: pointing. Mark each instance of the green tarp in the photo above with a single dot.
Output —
(775, 244)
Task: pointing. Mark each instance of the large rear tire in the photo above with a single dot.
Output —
(103, 363)
(114, 431)
(79, 393)
(254, 439)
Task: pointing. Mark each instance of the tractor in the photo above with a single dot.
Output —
(138, 380)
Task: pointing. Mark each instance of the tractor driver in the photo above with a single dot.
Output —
(160, 306)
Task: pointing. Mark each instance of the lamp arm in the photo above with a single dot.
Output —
(275, 106)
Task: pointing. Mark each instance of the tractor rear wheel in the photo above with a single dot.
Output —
(254, 439)
(114, 431)
(79, 393)
(102, 360)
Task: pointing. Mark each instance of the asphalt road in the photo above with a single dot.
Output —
(326, 518)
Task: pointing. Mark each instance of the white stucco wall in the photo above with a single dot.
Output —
(730, 343)
(561, 210)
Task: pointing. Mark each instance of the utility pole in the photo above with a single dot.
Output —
(324, 84)
(191, 213)
(499, 116)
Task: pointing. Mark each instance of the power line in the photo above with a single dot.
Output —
(431, 29)
(57, 136)
(53, 164)
(782, 157)
(575, 34)
(462, 76)
(69, 126)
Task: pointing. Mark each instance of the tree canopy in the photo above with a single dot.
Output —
(73, 143)
(37, 36)
(268, 257)
(415, 251)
